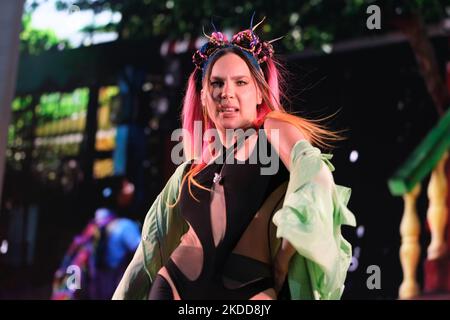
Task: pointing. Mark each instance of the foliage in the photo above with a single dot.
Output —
(303, 23)
(34, 41)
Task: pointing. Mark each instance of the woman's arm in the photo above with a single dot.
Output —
(282, 136)
(160, 234)
(313, 211)
(281, 263)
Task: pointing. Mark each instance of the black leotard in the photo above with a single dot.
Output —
(226, 275)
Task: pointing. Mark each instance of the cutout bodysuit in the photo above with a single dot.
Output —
(226, 252)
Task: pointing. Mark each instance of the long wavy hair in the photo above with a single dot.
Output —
(270, 83)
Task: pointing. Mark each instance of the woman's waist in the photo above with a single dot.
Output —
(193, 262)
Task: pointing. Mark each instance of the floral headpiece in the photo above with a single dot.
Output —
(258, 51)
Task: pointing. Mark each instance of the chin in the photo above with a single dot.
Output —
(230, 124)
(234, 123)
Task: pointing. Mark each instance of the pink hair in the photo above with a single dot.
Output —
(274, 80)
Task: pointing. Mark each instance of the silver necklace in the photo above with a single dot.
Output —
(218, 175)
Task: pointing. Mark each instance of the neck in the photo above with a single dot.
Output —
(228, 137)
(227, 140)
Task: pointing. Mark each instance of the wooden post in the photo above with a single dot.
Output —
(437, 210)
(410, 247)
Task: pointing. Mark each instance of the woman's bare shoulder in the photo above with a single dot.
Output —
(283, 136)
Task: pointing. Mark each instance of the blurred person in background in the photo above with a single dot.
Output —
(98, 257)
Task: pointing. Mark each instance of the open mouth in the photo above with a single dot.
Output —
(228, 110)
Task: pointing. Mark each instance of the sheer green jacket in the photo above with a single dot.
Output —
(313, 210)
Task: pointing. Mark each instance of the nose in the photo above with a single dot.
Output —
(227, 91)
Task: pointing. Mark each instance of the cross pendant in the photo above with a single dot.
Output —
(217, 177)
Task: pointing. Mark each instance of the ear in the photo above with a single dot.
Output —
(258, 96)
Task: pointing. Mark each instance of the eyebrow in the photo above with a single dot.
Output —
(234, 78)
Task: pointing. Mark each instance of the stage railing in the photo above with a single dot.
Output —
(428, 158)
